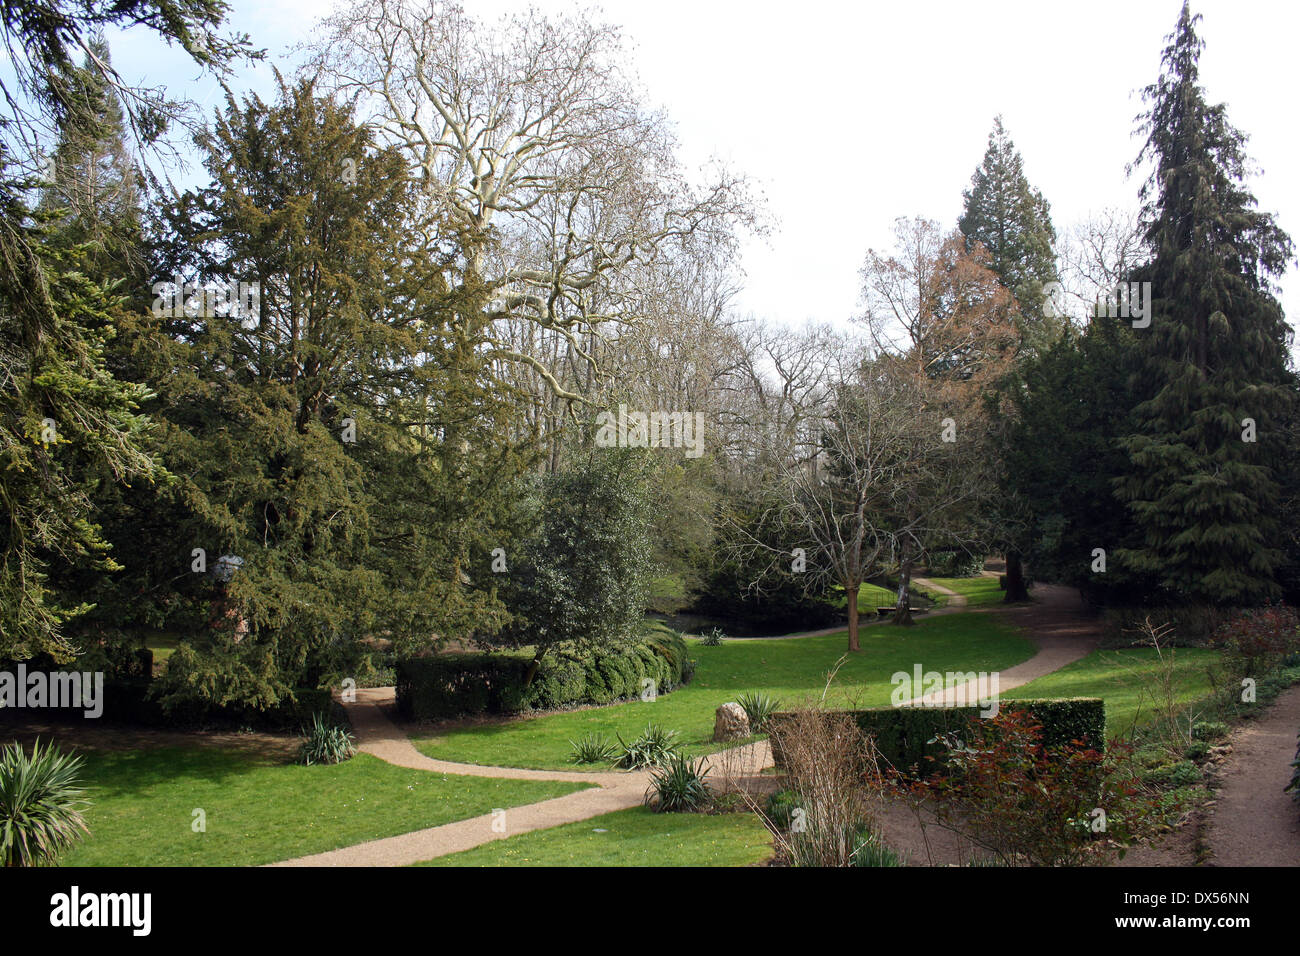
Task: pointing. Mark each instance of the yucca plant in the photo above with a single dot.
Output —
(713, 637)
(654, 748)
(593, 748)
(758, 707)
(326, 742)
(679, 786)
(40, 804)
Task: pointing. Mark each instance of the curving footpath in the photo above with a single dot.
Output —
(377, 735)
(1060, 632)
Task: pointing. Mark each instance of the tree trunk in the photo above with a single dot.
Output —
(533, 668)
(902, 611)
(1016, 590)
(852, 594)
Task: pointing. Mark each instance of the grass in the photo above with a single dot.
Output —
(788, 669)
(870, 597)
(982, 591)
(260, 810)
(1125, 679)
(635, 837)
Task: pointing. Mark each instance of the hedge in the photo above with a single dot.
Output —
(902, 735)
(460, 685)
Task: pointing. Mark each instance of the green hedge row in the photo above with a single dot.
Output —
(458, 685)
(902, 734)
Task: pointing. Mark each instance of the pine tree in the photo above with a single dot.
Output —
(1013, 221)
(1202, 485)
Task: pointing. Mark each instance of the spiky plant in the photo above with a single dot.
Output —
(40, 804)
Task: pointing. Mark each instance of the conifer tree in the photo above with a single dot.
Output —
(1013, 221)
(1202, 483)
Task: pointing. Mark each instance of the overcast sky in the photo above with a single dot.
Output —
(847, 115)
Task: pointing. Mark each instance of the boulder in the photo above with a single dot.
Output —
(731, 723)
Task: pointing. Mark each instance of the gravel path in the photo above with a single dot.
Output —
(1057, 625)
(378, 735)
(1057, 621)
(1254, 823)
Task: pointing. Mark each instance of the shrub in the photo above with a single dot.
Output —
(326, 743)
(713, 637)
(780, 808)
(1209, 730)
(654, 748)
(679, 786)
(1006, 791)
(871, 851)
(40, 804)
(955, 564)
(592, 748)
(1260, 638)
(453, 685)
(1196, 751)
(759, 707)
(1180, 774)
(830, 768)
(908, 738)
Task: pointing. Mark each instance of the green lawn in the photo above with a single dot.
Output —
(635, 837)
(870, 597)
(260, 811)
(979, 592)
(1120, 677)
(790, 669)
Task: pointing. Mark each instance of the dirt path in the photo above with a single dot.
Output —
(1254, 823)
(1058, 622)
(378, 735)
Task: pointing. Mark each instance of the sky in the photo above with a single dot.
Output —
(847, 115)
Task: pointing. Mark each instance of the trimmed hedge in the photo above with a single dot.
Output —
(460, 685)
(903, 734)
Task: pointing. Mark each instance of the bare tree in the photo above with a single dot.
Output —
(1096, 255)
(533, 140)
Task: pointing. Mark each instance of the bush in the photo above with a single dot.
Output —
(780, 808)
(830, 769)
(40, 805)
(1006, 791)
(759, 707)
(679, 786)
(1171, 777)
(1190, 625)
(1209, 730)
(908, 738)
(954, 564)
(1196, 751)
(871, 851)
(455, 685)
(592, 748)
(1259, 639)
(713, 637)
(326, 743)
(654, 748)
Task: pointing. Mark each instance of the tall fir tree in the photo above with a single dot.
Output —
(1202, 483)
(1013, 221)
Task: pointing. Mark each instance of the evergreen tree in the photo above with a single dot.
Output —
(336, 426)
(1202, 483)
(1013, 221)
(66, 426)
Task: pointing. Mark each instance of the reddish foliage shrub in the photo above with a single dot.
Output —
(1260, 637)
(1030, 804)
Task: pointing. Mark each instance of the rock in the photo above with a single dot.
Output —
(732, 723)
